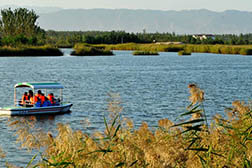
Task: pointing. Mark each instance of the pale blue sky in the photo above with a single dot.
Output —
(214, 5)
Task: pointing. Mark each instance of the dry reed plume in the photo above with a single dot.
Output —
(225, 143)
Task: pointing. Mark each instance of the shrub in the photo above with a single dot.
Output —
(88, 50)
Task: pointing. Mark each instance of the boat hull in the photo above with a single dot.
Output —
(21, 111)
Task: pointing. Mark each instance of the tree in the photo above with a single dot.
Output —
(20, 22)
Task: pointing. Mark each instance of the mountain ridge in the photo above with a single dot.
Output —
(193, 21)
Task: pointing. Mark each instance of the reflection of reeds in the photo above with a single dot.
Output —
(2, 154)
(225, 143)
(184, 53)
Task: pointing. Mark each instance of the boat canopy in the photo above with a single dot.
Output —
(40, 85)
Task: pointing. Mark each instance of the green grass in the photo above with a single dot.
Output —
(89, 50)
(144, 47)
(141, 53)
(29, 51)
(190, 48)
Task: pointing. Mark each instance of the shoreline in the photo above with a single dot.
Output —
(30, 51)
(191, 48)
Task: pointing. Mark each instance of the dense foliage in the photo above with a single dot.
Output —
(19, 26)
(69, 38)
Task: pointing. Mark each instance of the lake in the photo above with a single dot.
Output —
(150, 87)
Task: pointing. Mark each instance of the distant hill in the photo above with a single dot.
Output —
(38, 10)
(181, 22)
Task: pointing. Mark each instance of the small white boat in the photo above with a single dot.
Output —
(32, 109)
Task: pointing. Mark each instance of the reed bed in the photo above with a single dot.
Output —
(195, 142)
(144, 47)
(217, 49)
(46, 50)
(89, 50)
(142, 53)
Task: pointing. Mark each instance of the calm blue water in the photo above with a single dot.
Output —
(150, 87)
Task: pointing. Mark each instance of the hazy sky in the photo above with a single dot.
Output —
(215, 5)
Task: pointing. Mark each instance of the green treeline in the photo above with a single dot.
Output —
(69, 38)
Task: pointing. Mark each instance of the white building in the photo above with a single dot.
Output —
(204, 36)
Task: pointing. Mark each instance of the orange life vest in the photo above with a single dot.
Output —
(42, 99)
(24, 98)
(32, 100)
(51, 99)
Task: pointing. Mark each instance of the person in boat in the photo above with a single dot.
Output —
(42, 98)
(24, 99)
(38, 102)
(34, 100)
(46, 103)
(51, 98)
(30, 97)
(39, 94)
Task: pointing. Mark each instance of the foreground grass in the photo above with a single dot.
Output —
(30, 51)
(89, 50)
(217, 49)
(225, 142)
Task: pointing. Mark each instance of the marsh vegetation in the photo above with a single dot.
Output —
(30, 51)
(89, 50)
(189, 48)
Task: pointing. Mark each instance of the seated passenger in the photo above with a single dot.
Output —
(38, 103)
(24, 99)
(46, 103)
(31, 98)
(42, 98)
(57, 102)
(38, 93)
(51, 98)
